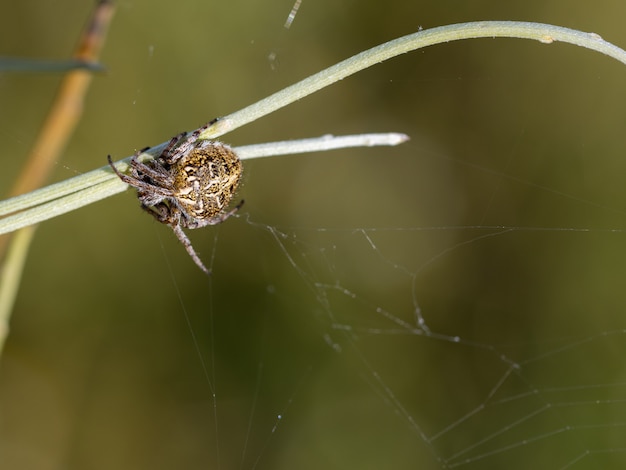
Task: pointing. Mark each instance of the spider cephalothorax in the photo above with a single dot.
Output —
(189, 185)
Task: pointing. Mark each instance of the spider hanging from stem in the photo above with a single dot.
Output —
(188, 185)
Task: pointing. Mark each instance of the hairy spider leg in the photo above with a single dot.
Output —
(172, 143)
(137, 183)
(171, 155)
(182, 236)
(172, 218)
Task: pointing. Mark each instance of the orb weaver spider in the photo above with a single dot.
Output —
(188, 185)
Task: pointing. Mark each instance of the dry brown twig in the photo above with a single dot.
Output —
(57, 129)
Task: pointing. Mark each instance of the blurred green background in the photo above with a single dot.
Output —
(123, 355)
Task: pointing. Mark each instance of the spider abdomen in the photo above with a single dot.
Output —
(206, 180)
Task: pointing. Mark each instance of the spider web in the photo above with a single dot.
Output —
(473, 390)
(455, 302)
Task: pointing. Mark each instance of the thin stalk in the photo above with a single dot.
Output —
(103, 183)
(86, 189)
(544, 33)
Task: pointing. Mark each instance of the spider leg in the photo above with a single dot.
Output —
(167, 151)
(158, 211)
(140, 167)
(139, 184)
(115, 170)
(187, 244)
(164, 214)
(222, 217)
(156, 172)
(172, 155)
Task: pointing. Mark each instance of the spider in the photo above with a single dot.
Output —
(188, 185)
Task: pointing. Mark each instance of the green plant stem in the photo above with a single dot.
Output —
(11, 275)
(102, 183)
(66, 196)
(543, 33)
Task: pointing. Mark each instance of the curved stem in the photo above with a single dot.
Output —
(99, 184)
(543, 33)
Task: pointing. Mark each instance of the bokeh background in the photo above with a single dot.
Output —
(123, 355)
